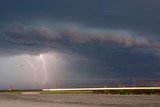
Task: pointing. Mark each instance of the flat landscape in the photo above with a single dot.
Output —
(78, 100)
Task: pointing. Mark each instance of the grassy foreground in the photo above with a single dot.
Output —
(125, 92)
(18, 91)
(122, 92)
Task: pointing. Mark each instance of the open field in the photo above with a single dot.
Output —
(83, 97)
(111, 90)
(78, 100)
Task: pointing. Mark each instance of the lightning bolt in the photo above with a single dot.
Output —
(34, 69)
(45, 71)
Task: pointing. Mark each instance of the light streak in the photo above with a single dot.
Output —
(34, 69)
(111, 88)
(45, 71)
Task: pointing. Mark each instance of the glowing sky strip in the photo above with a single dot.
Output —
(45, 71)
(34, 69)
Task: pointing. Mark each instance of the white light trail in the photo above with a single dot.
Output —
(45, 71)
(111, 88)
(34, 70)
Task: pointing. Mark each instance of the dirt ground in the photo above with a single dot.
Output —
(78, 100)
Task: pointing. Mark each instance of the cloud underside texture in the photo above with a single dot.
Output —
(21, 39)
(126, 16)
(111, 53)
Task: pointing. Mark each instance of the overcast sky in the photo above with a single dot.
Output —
(85, 43)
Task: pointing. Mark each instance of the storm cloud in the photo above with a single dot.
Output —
(94, 39)
(38, 39)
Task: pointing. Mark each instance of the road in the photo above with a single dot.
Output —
(78, 100)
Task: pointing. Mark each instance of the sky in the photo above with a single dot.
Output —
(80, 43)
